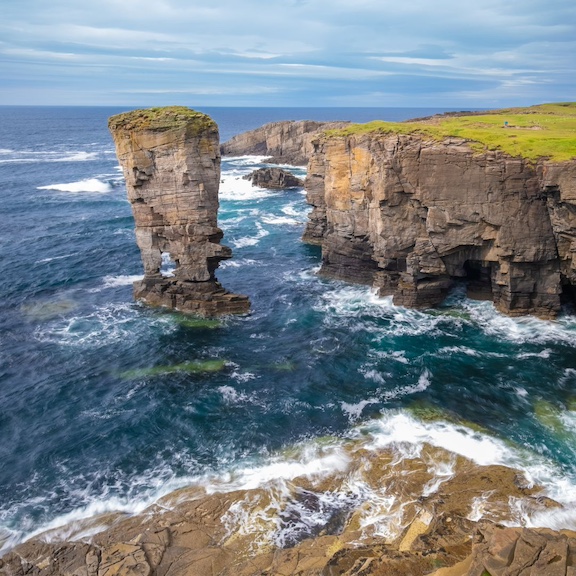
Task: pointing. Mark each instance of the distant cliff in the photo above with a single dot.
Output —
(171, 162)
(287, 142)
(412, 212)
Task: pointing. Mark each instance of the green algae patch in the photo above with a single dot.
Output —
(161, 119)
(196, 322)
(198, 367)
(544, 131)
(550, 417)
(48, 310)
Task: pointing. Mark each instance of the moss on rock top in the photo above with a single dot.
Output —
(544, 131)
(165, 118)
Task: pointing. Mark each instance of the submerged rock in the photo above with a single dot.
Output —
(171, 162)
(274, 178)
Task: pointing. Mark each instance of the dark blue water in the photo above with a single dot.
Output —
(98, 411)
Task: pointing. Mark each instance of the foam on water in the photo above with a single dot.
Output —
(234, 188)
(88, 185)
(122, 280)
(250, 240)
(101, 327)
(28, 156)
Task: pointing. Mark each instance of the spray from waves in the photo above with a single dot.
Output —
(88, 185)
(234, 188)
(358, 303)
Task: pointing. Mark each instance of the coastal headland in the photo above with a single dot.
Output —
(489, 199)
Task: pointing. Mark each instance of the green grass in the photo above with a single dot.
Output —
(165, 118)
(544, 131)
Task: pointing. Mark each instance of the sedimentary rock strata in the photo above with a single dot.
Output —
(287, 142)
(412, 215)
(418, 530)
(171, 162)
(274, 178)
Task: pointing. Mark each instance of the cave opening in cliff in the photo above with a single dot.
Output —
(478, 279)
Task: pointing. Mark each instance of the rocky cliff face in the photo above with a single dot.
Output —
(287, 142)
(171, 162)
(411, 216)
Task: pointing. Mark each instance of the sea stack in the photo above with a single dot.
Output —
(171, 161)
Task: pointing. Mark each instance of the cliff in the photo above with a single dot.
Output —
(287, 142)
(171, 163)
(411, 209)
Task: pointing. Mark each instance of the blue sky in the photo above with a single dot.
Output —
(441, 53)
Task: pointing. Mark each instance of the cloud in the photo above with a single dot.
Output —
(298, 52)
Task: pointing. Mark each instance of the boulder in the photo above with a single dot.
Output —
(274, 178)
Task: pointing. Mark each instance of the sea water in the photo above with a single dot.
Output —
(107, 405)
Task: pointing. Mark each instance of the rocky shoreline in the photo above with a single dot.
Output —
(375, 513)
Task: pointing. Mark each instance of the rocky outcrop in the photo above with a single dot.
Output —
(412, 215)
(288, 142)
(265, 531)
(171, 162)
(274, 178)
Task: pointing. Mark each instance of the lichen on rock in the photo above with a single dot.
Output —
(171, 162)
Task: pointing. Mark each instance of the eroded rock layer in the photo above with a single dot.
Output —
(411, 216)
(288, 142)
(171, 162)
(400, 519)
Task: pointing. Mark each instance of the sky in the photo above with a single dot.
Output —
(441, 53)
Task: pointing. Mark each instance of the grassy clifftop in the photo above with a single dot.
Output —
(544, 131)
(165, 118)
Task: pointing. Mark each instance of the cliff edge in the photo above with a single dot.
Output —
(171, 162)
(411, 208)
(288, 142)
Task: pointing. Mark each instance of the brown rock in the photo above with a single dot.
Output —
(412, 216)
(274, 178)
(288, 142)
(171, 162)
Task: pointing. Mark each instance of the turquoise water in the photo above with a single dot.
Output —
(107, 404)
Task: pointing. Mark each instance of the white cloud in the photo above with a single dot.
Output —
(306, 49)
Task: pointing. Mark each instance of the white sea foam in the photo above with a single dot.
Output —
(250, 161)
(251, 240)
(122, 280)
(281, 220)
(27, 156)
(88, 185)
(234, 188)
(239, 263)
(524, 329)
(354, 411)
(104, 325)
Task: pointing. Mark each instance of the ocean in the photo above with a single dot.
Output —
(107, 405)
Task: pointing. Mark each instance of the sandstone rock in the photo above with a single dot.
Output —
(274, 178)
(171, 162)
(411, 216)
(191, 533)
(288, 142)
